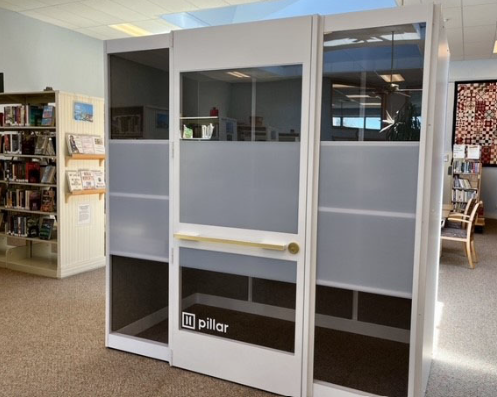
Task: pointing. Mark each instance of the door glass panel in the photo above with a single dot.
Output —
(239, 297)
(372, 80)
(139, 94)
(241, 128)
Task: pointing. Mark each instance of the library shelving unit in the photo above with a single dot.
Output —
(466, 184)
(77, 241)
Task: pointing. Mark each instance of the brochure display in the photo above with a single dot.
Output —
(239, 232)
(39, 231)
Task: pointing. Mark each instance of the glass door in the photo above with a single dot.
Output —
(240, 169)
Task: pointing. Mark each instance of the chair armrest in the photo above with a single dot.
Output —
(458, 214)
(459, 220)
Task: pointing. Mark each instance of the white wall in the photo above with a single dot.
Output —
(474, 70)
(35, 54)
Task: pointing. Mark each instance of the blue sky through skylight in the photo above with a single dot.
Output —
(271, 10)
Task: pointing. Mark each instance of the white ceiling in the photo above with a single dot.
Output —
(471, 27)
(92, 17)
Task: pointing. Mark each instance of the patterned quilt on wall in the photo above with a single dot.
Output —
(476, 118)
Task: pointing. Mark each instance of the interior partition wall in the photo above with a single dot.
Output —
(138, 201)
(298, 251)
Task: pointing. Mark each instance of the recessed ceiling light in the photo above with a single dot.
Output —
(130, 29)
(371, 104)
(358, 96)
(495, 47)
(392, 78)
(239, 75)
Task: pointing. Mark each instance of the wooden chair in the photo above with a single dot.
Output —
(464, 233)
(464, 215)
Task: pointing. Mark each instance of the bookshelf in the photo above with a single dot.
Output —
(466, 178)
(75, 246)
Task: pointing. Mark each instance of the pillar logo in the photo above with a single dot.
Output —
(189, 321)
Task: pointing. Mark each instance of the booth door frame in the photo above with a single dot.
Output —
(116, 340)
(428, 211)
(218, 48)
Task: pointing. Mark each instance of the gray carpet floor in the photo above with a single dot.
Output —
(52, 338)
(465, 363)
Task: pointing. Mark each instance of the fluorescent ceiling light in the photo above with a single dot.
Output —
(495, 47)
(130, 29)
(358, 96)
(371, 104)
(239, 75)
(343, 86)
(392, 78)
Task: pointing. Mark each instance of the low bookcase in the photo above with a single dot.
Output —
(33, 204)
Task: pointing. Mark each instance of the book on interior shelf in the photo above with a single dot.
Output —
(22, 116)
(47, 200)
(48, 174)
(87, 179)
(45, 145)
(46, 228)
(22, 226)
(74, 181)
(98, 176)
(11, 142)
(48, 116)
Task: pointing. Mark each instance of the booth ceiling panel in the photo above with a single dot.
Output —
(471, 26)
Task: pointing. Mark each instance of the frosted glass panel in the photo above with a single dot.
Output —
(251, 185)
(379, 178)
(139, 226)
(139, 167)
(243, 265)
(366, 251)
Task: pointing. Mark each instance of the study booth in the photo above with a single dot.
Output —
(275, 197)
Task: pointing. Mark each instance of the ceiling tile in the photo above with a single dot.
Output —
(57, 2)
(450, 3)
(480, 15)
(452, 17)
(455, 36)
(37, 15)
(91, 33)
(172, 6)
(21, 5)
(483, 49)
(102, 18)
(144, 7)
(108, 32)
(209, 3)
(57, 13)
(236, 2)
(479, 33)
(477, 2)
(118, 10)
(10, 6)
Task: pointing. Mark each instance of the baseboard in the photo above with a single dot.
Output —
(325, 389)
(82, 267)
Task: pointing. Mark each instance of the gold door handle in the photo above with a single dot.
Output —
(243, 243)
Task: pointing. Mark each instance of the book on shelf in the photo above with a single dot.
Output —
(74, 181)
(465, 167)
(22, 226)
(46, 228)
(44, 145)
(24, 116)
(48, 174)
(463, 196)
(11, 142)
(47, 200)
(462, 183)
(48, 116)
(24, 199)
(84, 144)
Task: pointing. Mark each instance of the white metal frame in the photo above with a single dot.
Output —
(218, 48)
(418, 357)
(116, 340)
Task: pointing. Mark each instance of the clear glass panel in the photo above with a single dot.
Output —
(241, 128)
(372, 83)
(139, 94)
(139, 300)
(238, 297)
(372, 80)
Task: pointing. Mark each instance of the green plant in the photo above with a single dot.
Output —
(406, 125)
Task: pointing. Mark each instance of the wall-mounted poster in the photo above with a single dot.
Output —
(83, 111)
(475, 117)
(126, 122)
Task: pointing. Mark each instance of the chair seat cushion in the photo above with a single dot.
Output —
(454, 232)
(453, 225)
